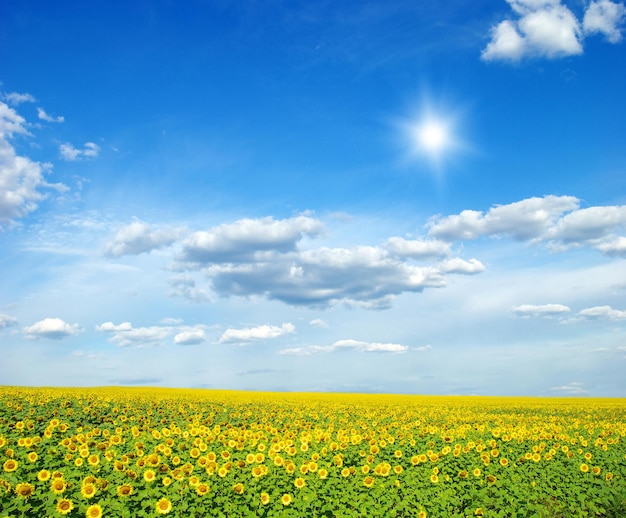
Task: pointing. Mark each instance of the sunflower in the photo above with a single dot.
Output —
(149, 475)
(64, 506)
(88, 490)
(202, 489)
(584, 468)
(368, 481)
(94, 511)
(476, 472)
(434, 478)
(238, 488)
(10, 465)
(163, 506)
(57, 486)
(596, 470)
(43, 475)
(322, 473)
(32, 456)
(24, 489)
(124, 490)
(299, 483)
(93, 460)
(504, 462)
(286, 499)
(265, 498)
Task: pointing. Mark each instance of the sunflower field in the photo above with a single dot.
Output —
(120, 452)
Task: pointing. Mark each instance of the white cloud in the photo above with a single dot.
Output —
(239, 241)
(324, 276)
(185, 287)
(172, 321)
(53, 328)
(138, 238)
(357, 345)
(417, 249)
(572, 389)
(319, 323)
(191, 337)
(525, 219)
(7, 321)
(615, 247)
(71, 154)
(605, 17)
(555, 220)
(458, 265)
(20, 178)
(15, 98)
(125, 335)
(506, 43)
(549, 29)
(587, 224)
(598, 312)
(48, 118)
(250, 334)
(541, 310)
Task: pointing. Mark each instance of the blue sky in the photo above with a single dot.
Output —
(365, 196)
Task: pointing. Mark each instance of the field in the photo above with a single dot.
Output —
(119, 452)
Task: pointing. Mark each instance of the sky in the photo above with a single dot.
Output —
(348, 196)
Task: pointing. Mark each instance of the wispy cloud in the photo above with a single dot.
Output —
(125, 335)
(541, 310)
(571, 389)
(602, 312)
(7, 321)
(72, 154)
(15, 98)
(348, 344)
(48, 118)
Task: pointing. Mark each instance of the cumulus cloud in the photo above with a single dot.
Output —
(72, 154)
(251, 334)
(125, 335)
(239, 241)
(349, 344)
(53, 328)
(458, 265)
(547, 28)
(541, 310)
(417, 249)
(21, 179)
(602, 312)
(48, 118)
(190, 337)
(185, 287)
(324, 276)
(139, 238)
(319, 323)
(555, 220)
(7, 321)
(606, 18)
(522, 220)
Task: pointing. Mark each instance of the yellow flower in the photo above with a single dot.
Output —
(368, 481)
(124, 490)
(24, 490)
(584, 468)
(504, 462)
(64, 506)
(265, 498)
(163, 506)
(345, 472)
(299, 483)
(57, 486)
(10, 465)
(94, 511)
(596, 470)
(202, 489)
(286, 499)
(322, 473)
(476, 472)
(93, 460)
(238, 488)
(43, 475)
(434, 478)
(149, 475)
(32, 456)
(88, 490)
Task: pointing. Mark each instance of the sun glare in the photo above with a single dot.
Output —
(432, 136)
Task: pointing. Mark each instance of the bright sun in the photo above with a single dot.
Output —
(432, 136)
